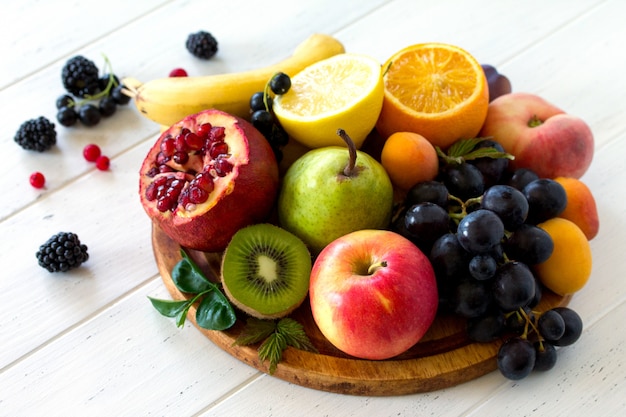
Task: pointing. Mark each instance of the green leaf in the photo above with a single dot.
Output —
(183, 314)
(215, 312)
(463, 147)
(188, 277)
(272, 350)
(169, 308)
(255, 331)
(487, 153)
(295, 335)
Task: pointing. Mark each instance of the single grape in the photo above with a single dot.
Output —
(573, 326)
(280, 83)
(516, 358)
(545, 356)
(551, 325)
(513, 286)
(428, 192)
(480, 231)
(463, 181)
(472, 298)
(89, 115)
(521, 177)
(257, 101)
(529, 244)
(486, 328)
(508, 203)
(450, 261)
(546, 199)
(491, 168)
(426, 222)
(483, 267)
(263, 121)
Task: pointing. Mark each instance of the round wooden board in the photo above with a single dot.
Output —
(443, 358)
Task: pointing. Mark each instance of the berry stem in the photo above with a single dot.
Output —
(348, 171)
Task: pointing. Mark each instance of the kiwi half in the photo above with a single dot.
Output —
(266, 271)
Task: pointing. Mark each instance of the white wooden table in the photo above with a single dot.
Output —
(88, 342)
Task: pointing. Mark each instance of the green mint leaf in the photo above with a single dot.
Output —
(295, 335)
(487, 153)
(168, 308)
(272, 350)
(188, 277)
(463, 147)
(255, 331)
(215, 312)
(183, 314)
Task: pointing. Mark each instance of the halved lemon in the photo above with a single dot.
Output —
(434, 89)
(344, 91)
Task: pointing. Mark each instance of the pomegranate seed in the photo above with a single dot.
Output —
(161, 158)
(204, 181)
(217, 133)
(193, 141)
(151, 192)
(218, 148)
(103, 162)
(168, 147)
(91, 152)
(178, 72)
(204, 130)
(198, 195)
(179, 142)
(37, 180)
(181, 157)
(164, 204)
(164, 168)
(223, 167)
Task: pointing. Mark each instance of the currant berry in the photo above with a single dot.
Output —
(91, 152)
(178, 72)
(37, 179)
(280, 83)
(103, 163)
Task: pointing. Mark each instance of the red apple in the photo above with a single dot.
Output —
(373, 294)
(541, 136)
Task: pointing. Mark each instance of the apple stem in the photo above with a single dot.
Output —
(348, 171)
(535, 121)
(376, 266)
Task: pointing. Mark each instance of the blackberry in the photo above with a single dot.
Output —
(62, 252)
(80, 77)
(36, 134)
(201, 44)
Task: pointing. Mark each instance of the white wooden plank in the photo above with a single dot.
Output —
(127, 361)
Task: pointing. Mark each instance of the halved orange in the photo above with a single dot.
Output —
(434, 89)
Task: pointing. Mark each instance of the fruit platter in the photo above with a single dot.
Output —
(369, 228)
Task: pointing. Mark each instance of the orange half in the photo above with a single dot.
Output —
(436, 90)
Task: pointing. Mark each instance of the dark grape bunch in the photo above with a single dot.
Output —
(478, 222)
(262, 116)
(89, 97)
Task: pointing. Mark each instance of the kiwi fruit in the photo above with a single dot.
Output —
(266, 271)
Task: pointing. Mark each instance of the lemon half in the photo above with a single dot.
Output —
(345, 91)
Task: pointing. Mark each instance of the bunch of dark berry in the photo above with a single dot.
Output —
(478, 223)
(262, 115)
(90, 96)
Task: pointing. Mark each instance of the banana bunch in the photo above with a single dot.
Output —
(168, 100)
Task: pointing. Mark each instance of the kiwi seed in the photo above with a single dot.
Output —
(266, 271)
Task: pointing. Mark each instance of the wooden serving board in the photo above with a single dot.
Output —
(443, 358)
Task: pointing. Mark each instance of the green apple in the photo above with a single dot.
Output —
(332, 191)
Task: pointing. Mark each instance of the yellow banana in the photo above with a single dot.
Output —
(168, 100)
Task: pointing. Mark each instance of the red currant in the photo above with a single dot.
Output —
(178, 72)
(103, 162)
(37, 180)
(91, 152)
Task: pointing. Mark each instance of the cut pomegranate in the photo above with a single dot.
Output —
(206, 177)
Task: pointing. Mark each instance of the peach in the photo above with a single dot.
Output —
(540, 135)
(581, 206)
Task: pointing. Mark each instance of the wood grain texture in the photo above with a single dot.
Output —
(444, 357)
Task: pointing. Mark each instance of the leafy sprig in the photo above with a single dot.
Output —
(214, 311)
(275, 336)
(465, 150)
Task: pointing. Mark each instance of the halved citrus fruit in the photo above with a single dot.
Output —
(434, 89)
(344, 91)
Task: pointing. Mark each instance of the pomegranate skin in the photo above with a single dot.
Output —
(245, 197)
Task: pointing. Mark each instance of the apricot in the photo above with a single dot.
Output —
(581, 206)
(409, 158)
(568, 269)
